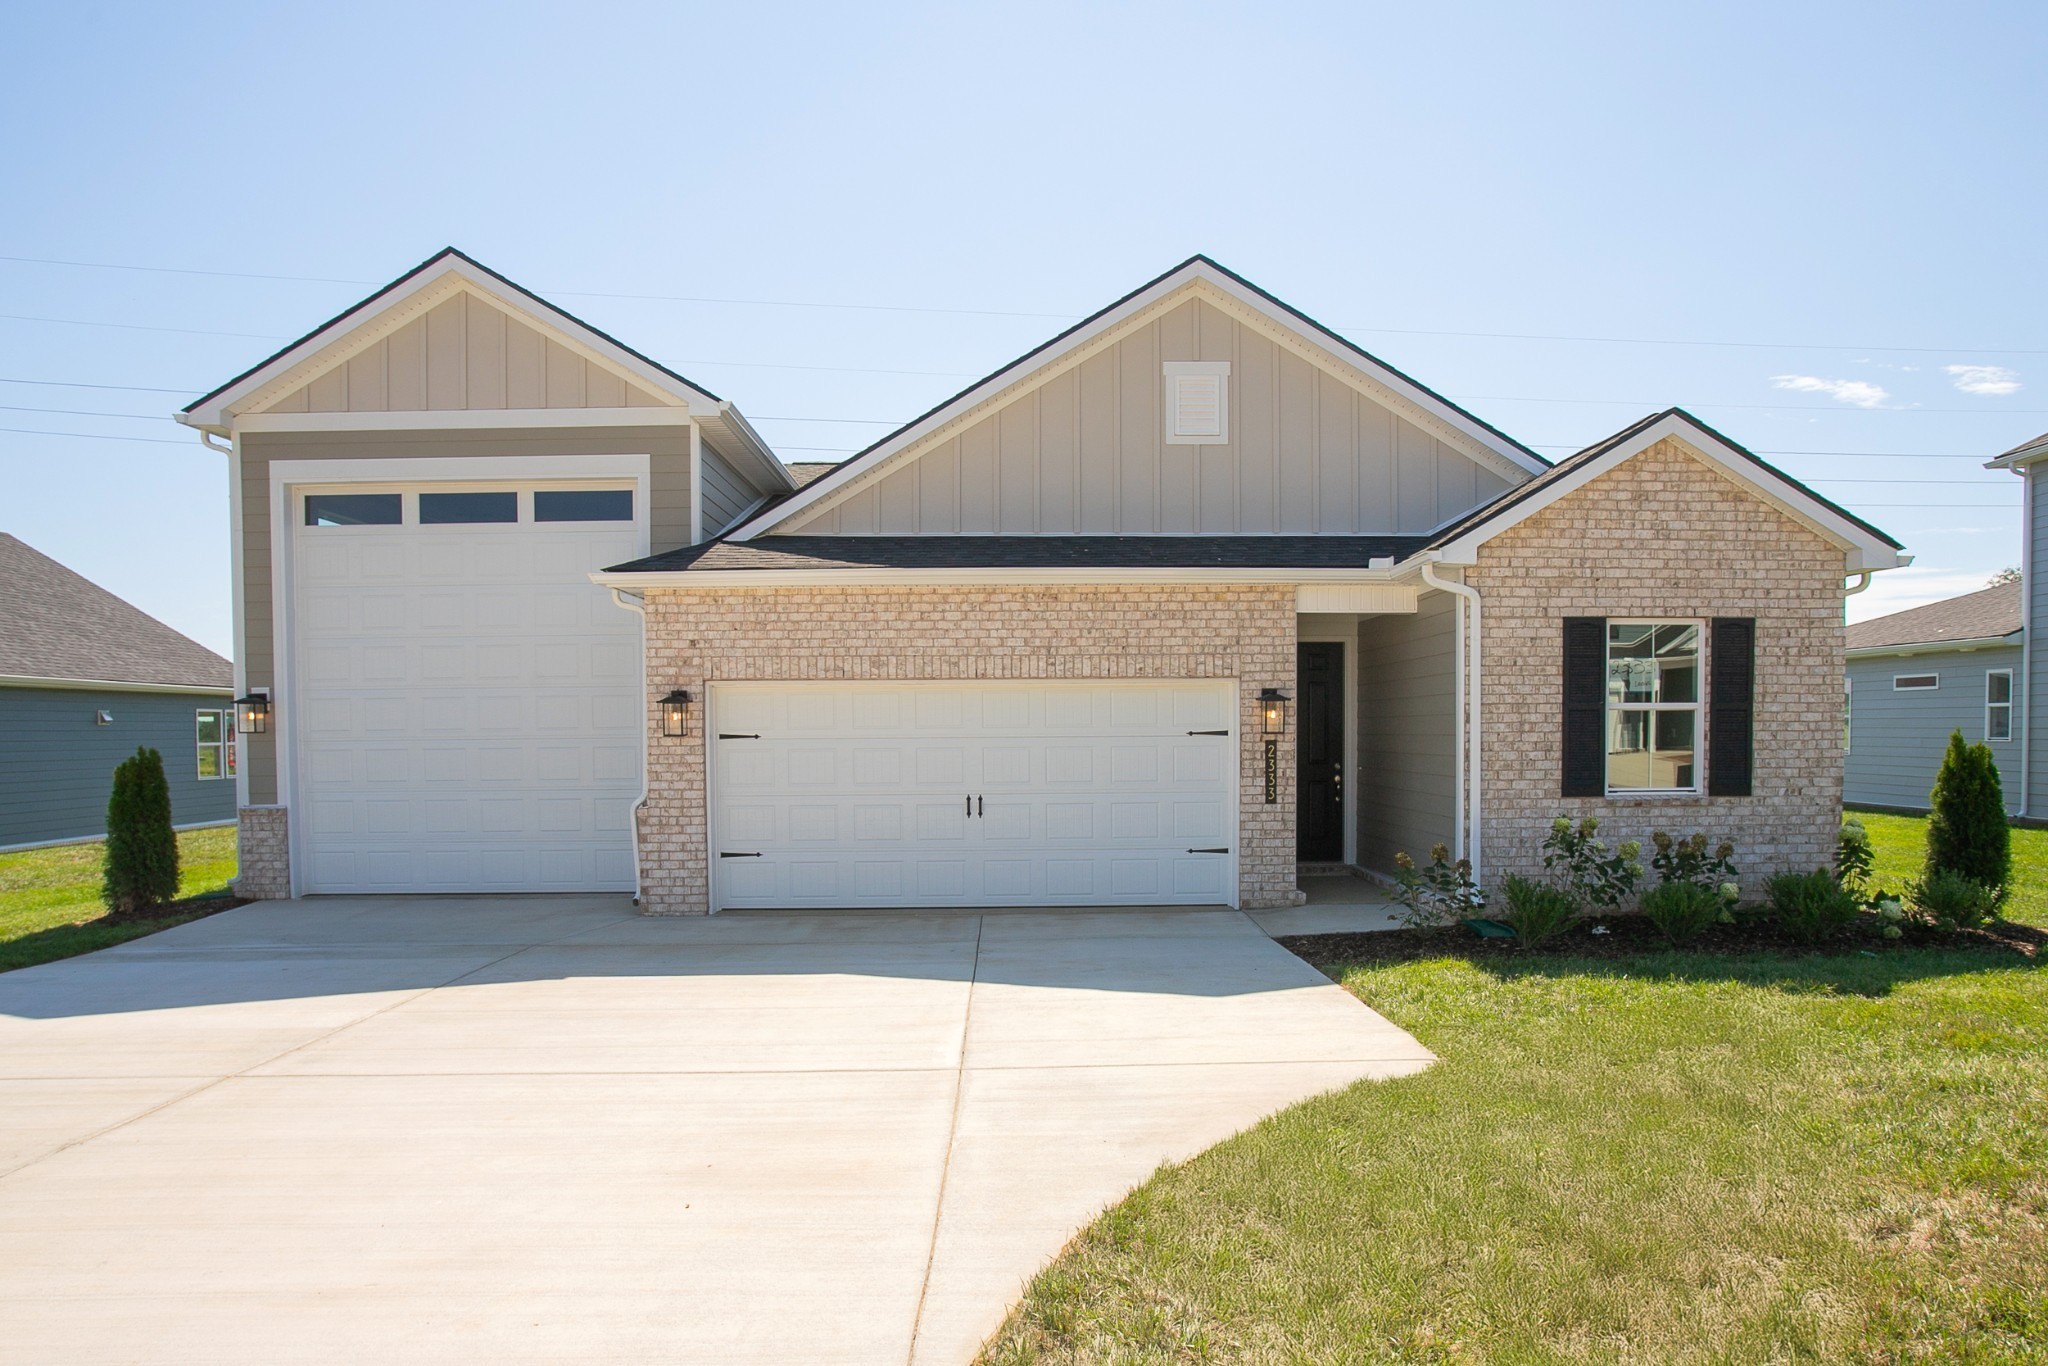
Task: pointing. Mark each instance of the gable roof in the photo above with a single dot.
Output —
(2026, 453)
(1869, 548)
(57, 624)
(327, 345)
(1988, 614)
(1195, 270)
(1028, 553)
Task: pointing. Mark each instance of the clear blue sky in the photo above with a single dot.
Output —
(1853, 191)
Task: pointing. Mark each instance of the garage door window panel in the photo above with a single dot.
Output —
(355, 509)
(460, 509)
(583, 505)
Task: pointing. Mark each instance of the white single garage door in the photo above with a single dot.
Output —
(973, 794)
(468, 704)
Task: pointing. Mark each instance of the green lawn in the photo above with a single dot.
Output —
(1669, 1158)
(50, 898)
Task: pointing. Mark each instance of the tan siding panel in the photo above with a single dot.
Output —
(1407, 737)
(484, 355)
(565, 377)
(897, 499)
(977, 478)
(405, 367)
(938, 490)
(1100, 433)
(366, 386)
(1017, 460)
(1138, 443)
(1057, 471)
(328, 393)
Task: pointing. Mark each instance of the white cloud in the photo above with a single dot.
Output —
(1862, 393)
(1895, 590)
(1993, 380)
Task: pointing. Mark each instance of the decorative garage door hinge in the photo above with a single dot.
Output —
(723, 854)
(1208, 732)
(729, 735)
(1224, 850)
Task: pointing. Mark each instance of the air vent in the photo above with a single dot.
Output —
(1197, 402)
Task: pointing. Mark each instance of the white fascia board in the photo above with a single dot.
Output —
(1865, 551)
(110, 685)
(457, 469)
(739, 433)
(1933, 647)
(866, 578)
(435, 283)
(460, 419)
(2024, 456)
(1044, 356)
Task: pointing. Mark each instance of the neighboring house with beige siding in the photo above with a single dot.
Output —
(1193, 595)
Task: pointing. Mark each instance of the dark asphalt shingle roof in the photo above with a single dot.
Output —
(58, 624)
(2041, 440)
(1031, 552)
(1987, 614)
(802, 472)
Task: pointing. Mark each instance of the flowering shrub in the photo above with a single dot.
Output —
(1687, 860)
(1578, 861)
(1441, 894)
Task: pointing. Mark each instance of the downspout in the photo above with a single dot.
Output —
(1470, 686)
(638, 606)
(2026, 637)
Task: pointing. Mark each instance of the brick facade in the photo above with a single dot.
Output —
(697, 637)
(263, 851)
(1665, 535)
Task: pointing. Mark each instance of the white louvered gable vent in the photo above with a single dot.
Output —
(1197, 402)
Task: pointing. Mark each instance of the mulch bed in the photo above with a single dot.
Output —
(1632, 936)
(189, 909)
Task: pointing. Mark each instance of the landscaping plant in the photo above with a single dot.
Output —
(1578, 860)
(1536, 910)
(1854, 858)
(142, 849)
(1441, 894)
(1953, 901)
(1687, 860)
(1682, 911)
(1810, 907)
(1967, 831)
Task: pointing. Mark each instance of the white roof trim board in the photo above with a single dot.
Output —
(1866, 549)
(1218, 285)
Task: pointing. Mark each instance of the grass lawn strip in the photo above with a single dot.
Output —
(1664, 1156)
(50, 898)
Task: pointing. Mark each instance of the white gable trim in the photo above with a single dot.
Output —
(387, 311)
(1198, 278)
(456, 419)
(1864, 548)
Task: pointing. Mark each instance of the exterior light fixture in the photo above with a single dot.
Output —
(1273, 710)
(675, 713)
(252, 713)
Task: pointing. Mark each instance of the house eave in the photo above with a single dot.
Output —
(866, 578)
(1931, 647)
(112, 685)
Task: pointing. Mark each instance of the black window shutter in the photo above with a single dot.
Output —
(1585, 707)
(1731, 706)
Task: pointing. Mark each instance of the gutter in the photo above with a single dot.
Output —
(1469, 686)
(1930, 647)
(2027, 638)
(638, 607)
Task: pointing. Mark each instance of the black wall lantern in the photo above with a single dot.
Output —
(1273, 710)
(675, 713)
(252, 713)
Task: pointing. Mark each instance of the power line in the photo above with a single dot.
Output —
(76, 384)
(137, 327)
(1060, 317)
(100, 436)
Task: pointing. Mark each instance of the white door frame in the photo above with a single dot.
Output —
(1350, 806)
(710, 730)
(413, 475)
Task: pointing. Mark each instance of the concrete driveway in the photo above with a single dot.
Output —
(549, 1129)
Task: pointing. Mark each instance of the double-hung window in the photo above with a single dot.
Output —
(215, 731)
(1653, 706)
(1998, 704)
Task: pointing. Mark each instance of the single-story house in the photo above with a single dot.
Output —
(1192, 595)
(1916, 677)
(85, 680)
(2026, 461)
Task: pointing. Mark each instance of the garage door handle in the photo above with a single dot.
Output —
(1224, 850)
(728, 735)
(1208, 732)
(723, 854)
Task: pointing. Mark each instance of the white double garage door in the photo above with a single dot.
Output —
(973, 794)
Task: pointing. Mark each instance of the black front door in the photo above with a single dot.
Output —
(1319, 752)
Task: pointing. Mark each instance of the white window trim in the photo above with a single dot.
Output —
(1899, 684)
(226, 744)
(1698, 708)
(1990, 706)
(1176, 370)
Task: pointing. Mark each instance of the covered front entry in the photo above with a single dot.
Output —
(1025, 793)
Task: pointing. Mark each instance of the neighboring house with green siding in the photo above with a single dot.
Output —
(86, 678)
(1916, 677)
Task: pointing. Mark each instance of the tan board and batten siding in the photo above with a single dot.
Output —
(1307, 453)
(1407, 732)
(463, 353)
